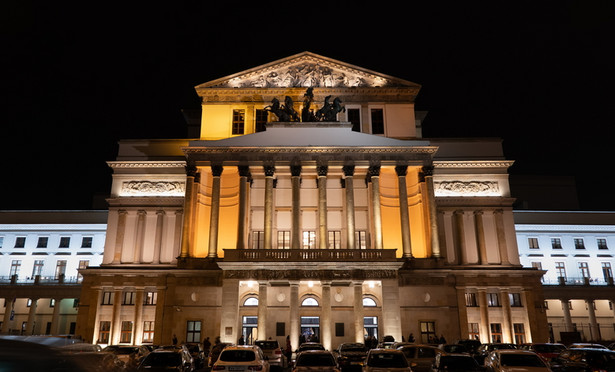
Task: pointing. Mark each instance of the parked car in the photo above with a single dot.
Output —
(241, 358)
(315, 360)
(167, 360)
(96, 361)
(273, 352)
(455, 363)
(582, 360)
(131, 355)
(585, 345)
(547, 351)
(454, 348)
(420, 357)
(471, 344)
(19, 356)
(509, 360)
(485, 349)
(390, 360)
(215, 352)
(80, 347)
(198, 354)
(309, 346)
(351, 354)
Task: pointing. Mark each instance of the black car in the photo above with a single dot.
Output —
(484, 350)
(198, 354)
(584, 360)
(455, 363)
(167, 360)
(351, 355)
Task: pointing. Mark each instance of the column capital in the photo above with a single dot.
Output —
(373, 171)
(216, 170)
(322, 170)
(244, 170)
(401, 170)
(427, 170)
(295, 170)
(269, 170)
(478, 212)
(348, 170)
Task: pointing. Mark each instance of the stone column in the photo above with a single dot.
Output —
(325, 320)
(55, 317)
(463, 313)
(31, 316)
(460, 237)
(138, 319)
(116, 325)
(268, 213)
(508, 334)
(139, 236)
(359, 317)
(262, 310)
(294, 314)
(119, 236)
(244, 175)
(374, 176)
(484, 316)
(216, 172)
(159, 329)
(350, 225)
(427, 172)
(501, 235)
(6, 322)
(97, 304)
(160, 214)
(192, 181)
(401, 171)
(530, 307)
(567, 317)
(594, 327)
(323, 233)
(295, 228)
(391, 315)
(480, 238)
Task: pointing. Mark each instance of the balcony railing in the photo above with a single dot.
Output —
(577, 281)
(297, 255)
(14, 279)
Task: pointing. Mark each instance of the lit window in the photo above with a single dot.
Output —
(126, 332)
(107, 298)
(310, 301)
(193, 331)
(37, 269)
(238, 121)
(515, 299)
(360, 239)
(148, 331)
(533, 243)
(103, 332)
(519, 331)
(129, 298)
(283, 239)
(369, 302)
(493, 300)
(471, 300)
(15, 266)
(150, 298)
(60, 268)
(251, 301)
(584, 269)
(258, 239)
(496, 332)
(561, 269)
(335, 239)
(309, 239)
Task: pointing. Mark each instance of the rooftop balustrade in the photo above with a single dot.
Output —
(297, 255)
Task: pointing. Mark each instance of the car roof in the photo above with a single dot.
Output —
(515, 351)
(315, 352)
(382, 350)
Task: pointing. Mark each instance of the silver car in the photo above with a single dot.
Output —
(386, 360)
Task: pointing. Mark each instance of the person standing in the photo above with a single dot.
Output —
(206, 346)
(241, 341)
(289, 349)
(174, 339)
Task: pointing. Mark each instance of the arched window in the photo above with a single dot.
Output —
(310, 301)
(369, 302)
(251, 301)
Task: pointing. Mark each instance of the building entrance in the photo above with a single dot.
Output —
(249, 329)
(310, 329)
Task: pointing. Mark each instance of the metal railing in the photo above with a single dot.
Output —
(37, 279)
(577, 281)
(309, 254)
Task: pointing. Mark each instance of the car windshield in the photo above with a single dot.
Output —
(126, 350)
(237, 356)
(312, 360)
(311, 347)
(455, 349)
(267, 344)
(354, 348)
(387, 360)
(453, 362)
(549, 348)
(521, 360)
(162, 359)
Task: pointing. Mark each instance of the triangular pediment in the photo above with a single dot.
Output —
(305, 70)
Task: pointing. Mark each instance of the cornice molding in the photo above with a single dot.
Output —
(146, 164)
(473, 164)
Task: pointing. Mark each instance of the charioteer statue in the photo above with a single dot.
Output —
(286, 113)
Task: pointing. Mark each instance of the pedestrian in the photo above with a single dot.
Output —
(289, 349)
(206, 346)
(174, 339)
(241, 341)
(442, 339)
(411, 338)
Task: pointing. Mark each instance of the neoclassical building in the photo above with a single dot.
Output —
(292, 216)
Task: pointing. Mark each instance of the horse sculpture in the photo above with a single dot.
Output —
(329, 111)
(284, 112)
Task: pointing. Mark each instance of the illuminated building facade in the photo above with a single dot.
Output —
(338, 229)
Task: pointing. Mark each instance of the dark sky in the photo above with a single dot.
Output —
(77, 79)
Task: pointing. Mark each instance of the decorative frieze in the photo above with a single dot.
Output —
(263, 274)
(467, 188)
(153, 188)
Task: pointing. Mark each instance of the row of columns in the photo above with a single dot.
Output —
(9, 311)
(479, 231)
(594, 327)
(269, 172)
(116, 324)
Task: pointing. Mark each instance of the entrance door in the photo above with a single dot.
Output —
(370, 324)
(249, 329)
(310, 329)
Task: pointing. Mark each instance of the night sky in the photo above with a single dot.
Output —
(77, 79)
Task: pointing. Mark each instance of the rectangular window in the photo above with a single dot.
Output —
(15, 266)
(560, 268)
(42, 242)
(360, 239)
(128, 298)
(107, 298)
(150, 298)
(20, 242)
(238, 121)
(496, 332)
(428, 332)
(261, 120)
(60, 268)
(258, 239)
(354, 117)
(601, 243)
(578, 243)
(556, 243)
(86, 242)
(64, 242)
(309, 239)
(537, 265)
(471, 300)
(280, 329)
(148, 331)
(377, 121)
(126, 332)
(606, 271)
(584, 269)
(473, 331)
(335, 239)
(37, 269)
(515, 299)
(493, 300)
(339, 329)
(533, 243)
(283, 239)
(103, 332)
(193, 331)
(519, 331)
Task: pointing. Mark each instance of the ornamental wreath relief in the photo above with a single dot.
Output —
(153, 188)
